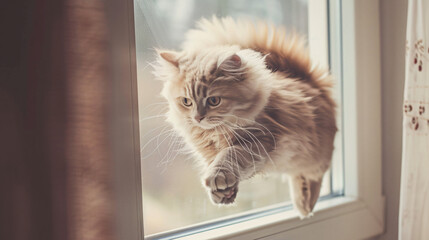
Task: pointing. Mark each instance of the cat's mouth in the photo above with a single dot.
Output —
(209, 123)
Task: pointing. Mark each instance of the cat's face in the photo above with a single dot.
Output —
(212, 88)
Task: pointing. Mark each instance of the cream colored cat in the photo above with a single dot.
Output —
(247, 100)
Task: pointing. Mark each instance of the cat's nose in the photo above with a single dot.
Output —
(198, 118)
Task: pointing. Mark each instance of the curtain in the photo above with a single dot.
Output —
(55, 92)
(88, 155)
(414, 198)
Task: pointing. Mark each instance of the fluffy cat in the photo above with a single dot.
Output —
(247, 99)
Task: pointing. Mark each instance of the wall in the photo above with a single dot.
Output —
(393, 15)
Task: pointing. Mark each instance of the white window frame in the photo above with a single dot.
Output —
(359, 214)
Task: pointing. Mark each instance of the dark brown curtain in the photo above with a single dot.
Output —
(55, 172)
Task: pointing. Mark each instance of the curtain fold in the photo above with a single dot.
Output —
(414, 198)
(56, 167)
(88, 154)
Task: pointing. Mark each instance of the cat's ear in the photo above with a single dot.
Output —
(231, 64)
(170, 56)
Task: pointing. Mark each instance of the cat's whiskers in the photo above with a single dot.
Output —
(242, 142)
(154, 116)
(170, 134)
(218, 170)
(230, 145)
(150, 64)
(155, 104)
(158, 144)
(172, 137)
(245, 147)
(256, 144)
(262, 146)
(259, 124)
(175, 145)
(179, 145)
(154, 129)
(253, 137)
(235, 151)
(153, 138)
(246, 131)
(154, 107)
(166, 159)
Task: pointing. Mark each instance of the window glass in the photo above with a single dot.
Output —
(173, 196)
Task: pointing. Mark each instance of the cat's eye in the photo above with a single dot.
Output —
(186, 102)
(213, 101)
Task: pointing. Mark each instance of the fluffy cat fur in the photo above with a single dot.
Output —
(275, 110)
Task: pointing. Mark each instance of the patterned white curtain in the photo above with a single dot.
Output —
(414, 202)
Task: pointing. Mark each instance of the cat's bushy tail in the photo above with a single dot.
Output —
(285, 52)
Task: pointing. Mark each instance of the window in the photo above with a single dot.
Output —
(358, 201)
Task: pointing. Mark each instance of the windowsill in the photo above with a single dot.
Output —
(350, 216)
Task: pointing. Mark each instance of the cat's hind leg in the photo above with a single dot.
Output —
(304, 193)
(315, 186)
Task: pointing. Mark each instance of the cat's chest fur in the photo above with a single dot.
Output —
(208, 143)
(254, 138)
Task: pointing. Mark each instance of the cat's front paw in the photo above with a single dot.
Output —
(223, 186)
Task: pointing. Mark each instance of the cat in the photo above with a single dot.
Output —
(247, 99)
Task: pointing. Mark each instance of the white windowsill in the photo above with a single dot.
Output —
(351, 218)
